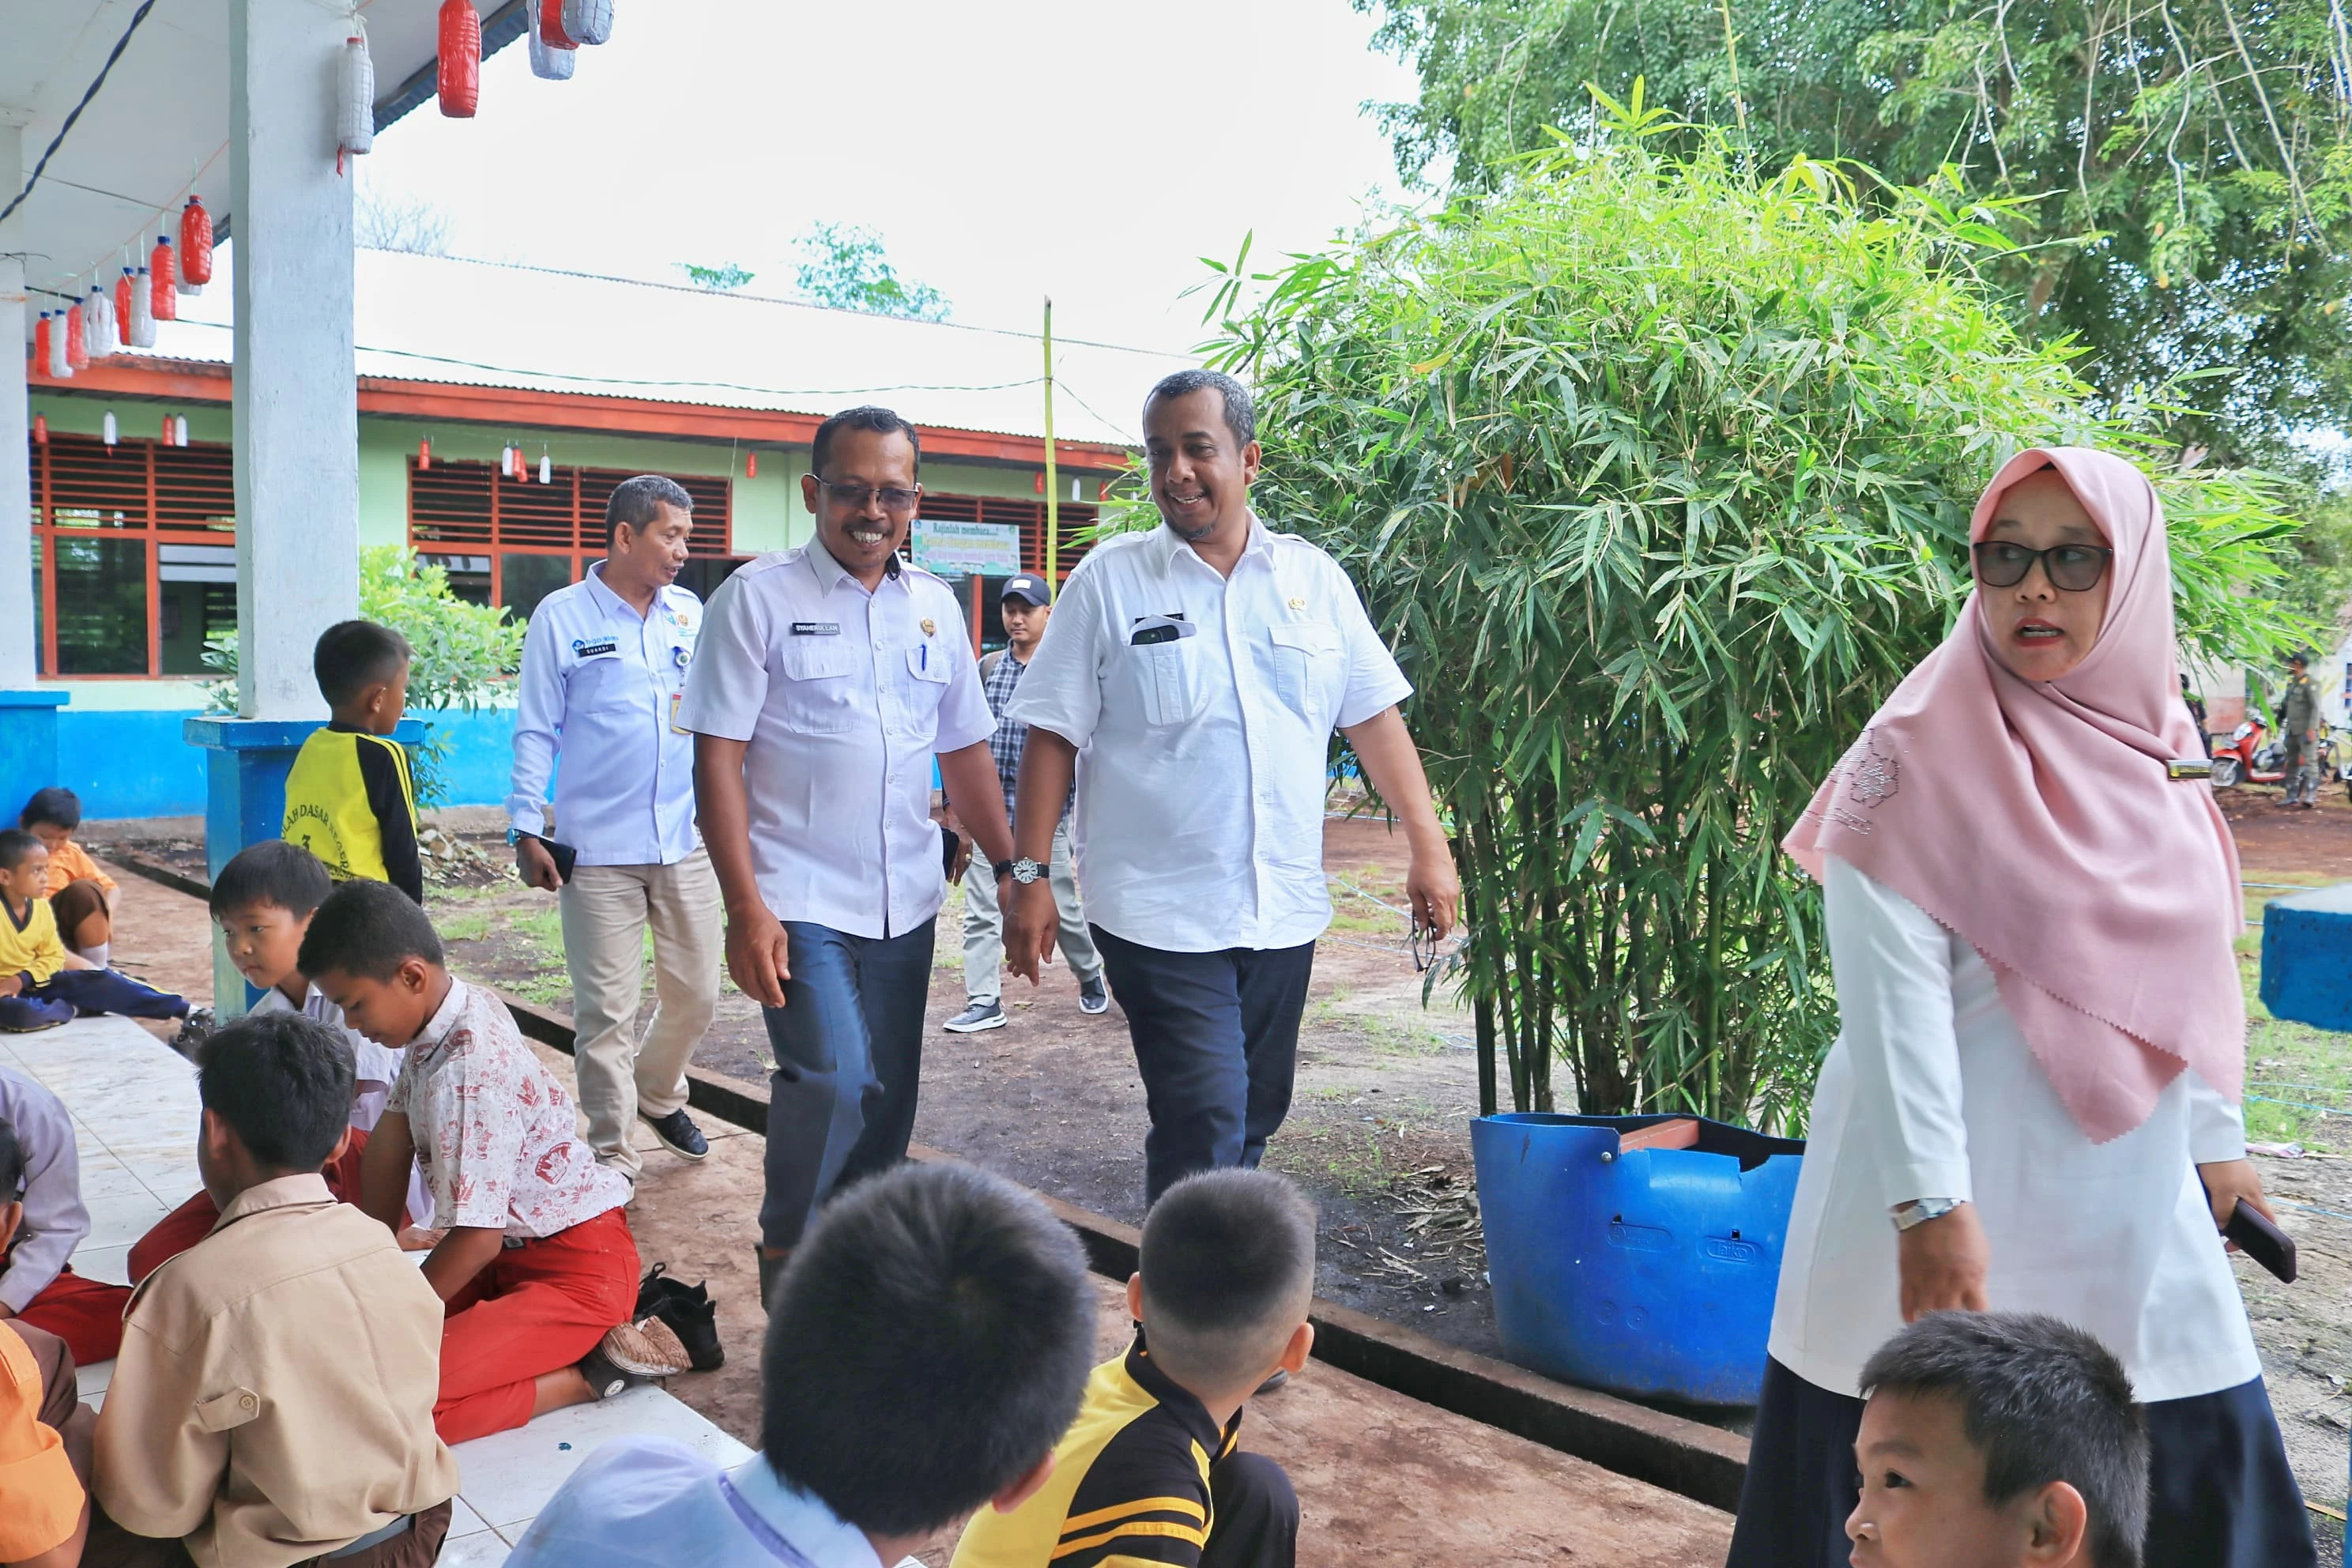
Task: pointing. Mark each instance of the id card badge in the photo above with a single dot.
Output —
(675, 727)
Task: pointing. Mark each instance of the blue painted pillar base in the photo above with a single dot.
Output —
(28, 747)
(2307, 957)
(246, 764)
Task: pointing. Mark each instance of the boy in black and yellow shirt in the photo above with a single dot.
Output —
(1149, 1473)
(41, 985)
(349, 799)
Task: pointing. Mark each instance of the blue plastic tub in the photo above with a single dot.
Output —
(1650, 1272)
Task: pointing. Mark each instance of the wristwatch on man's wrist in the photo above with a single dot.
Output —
(1920, 1211)
(1024, 870)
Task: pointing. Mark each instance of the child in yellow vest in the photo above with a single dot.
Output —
(41, 985)
(350, 800)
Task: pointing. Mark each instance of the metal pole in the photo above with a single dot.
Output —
(1053, 484)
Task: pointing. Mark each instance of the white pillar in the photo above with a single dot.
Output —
(15, 478)
(296, 391)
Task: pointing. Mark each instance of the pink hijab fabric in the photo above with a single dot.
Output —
(2035, 820)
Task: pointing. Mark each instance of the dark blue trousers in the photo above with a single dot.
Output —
(1216, 1042)
(2220, 1493)
(71, 993)
(849, 1061)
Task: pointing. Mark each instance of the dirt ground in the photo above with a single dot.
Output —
(1451, 1487)
(1379, 1128)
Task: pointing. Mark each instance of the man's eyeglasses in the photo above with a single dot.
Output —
(856, 497)
(2076, 568)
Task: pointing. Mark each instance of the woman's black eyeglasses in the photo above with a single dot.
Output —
(2076, 568)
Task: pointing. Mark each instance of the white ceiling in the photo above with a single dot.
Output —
(159, 127)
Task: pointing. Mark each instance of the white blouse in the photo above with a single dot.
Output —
(1931, 1093)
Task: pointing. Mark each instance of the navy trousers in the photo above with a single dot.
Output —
(71, 993)
(849, 1061)
(1216, 1042)
(1255, 1514)
(2220, 1493)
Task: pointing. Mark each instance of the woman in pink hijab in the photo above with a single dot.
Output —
(2032, 1103)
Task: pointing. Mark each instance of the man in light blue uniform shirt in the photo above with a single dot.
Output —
(604, 671)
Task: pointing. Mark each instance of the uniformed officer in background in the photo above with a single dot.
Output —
(604, 673)
(2299, 729)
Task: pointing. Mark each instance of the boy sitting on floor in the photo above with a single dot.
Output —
(2004, 1439)
(263, 900)
(349, 797)
(45, 1433)
(925, 1346)
(537, 1266)
(38, 1286)
(80, 894)
(273, 1402)
(1151, 1470)
(41, 985)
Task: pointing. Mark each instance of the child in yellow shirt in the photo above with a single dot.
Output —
(80, 894)
(41, 985)
(349, 798)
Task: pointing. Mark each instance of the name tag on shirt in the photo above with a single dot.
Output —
(602, 647)
(816, 628)
(675, 727)
(1151, 630)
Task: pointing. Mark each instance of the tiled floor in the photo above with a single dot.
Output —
(134, 1109)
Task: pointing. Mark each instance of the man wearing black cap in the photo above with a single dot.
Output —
(1026, 603)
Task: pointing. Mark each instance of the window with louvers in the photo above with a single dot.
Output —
(513, 541)
(134, 554)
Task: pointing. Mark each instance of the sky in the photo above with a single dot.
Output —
(1089, 150)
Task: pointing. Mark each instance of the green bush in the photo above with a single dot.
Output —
(466, 654)
(1657, 476)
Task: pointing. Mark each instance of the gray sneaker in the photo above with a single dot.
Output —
(1093, 995)
(974, 1019)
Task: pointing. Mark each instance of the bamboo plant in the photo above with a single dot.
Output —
(1656, 473)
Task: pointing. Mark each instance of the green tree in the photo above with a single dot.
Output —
(1657, 474)
(844, 267)
(719, 279)
(2186, 163)
(465, 656)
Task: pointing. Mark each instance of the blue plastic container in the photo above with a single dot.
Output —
(1650, 1272)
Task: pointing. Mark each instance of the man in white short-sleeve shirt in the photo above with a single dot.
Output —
(604, 675)
(1193, 676)
(826, 680)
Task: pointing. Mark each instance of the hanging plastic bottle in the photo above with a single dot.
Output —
(77, 339)
(195, 247)
(424, 453)
(180, 430)
(163, 269)
(546, 469)
(355, 97)
(142, 311)
(547, 22)
(588, 21)
(108, 430)
(98, 324)
(550, 61)
(457, 71)
(48, 347)
(122, 305)
(750, 464)
(40, 429)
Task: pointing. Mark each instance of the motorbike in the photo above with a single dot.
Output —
(2254, 755)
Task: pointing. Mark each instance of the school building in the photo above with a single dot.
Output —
(498, 406)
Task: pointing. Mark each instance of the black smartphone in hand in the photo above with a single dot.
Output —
(2260, 1240)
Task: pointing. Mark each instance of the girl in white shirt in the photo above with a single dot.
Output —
(2032, 1101)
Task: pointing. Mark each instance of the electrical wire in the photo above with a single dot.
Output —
(91, 92)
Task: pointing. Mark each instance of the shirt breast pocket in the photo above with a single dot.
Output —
(606, 685)
(1166, 679)
(820, 697)
(1309, 668)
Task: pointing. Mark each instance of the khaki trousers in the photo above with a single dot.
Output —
(983, 923)
(606, 909)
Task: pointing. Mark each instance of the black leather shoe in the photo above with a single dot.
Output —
(678, 1134)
